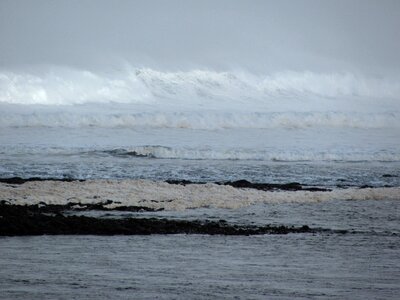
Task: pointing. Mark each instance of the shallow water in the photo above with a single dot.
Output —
(294, 266)
(360, 264)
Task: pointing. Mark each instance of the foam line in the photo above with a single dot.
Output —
(161, 195)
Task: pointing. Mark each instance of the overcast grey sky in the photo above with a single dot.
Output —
(260, 36)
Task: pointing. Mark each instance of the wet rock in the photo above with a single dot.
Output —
(29, 220)
(182, 182)
(77, 206)
(19, 180)
(291, 186)
(366, 186)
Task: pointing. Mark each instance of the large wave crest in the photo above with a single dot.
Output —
(200, 99)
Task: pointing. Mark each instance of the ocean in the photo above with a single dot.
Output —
(124, 135)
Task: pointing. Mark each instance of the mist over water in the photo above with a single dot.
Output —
(261, 37)
(95, 90)
(202, 65)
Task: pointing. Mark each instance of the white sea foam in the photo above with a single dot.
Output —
(173, 197)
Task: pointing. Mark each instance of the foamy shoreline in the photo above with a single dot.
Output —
(162, 195)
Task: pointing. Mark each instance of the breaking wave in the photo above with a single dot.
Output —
(295, 155)
(198, 99)
(63, 86)
(200, 120)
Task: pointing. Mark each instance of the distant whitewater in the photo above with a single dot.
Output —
(200, 125)
(197, 99)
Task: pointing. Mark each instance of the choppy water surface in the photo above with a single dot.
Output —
(327, 157)
(297, 266)
(361, 264)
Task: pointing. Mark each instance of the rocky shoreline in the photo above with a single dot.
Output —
(50, 206)
(18, 220)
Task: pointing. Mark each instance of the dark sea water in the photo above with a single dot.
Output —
(294, 266)
(363, 263)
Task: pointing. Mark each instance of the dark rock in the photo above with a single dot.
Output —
(182, 182)
(291, 186)
(101, 206)
(30, 220)
(240, 183)
(366, 186)
(19, 180)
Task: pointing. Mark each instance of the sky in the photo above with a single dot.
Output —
(258, 36)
